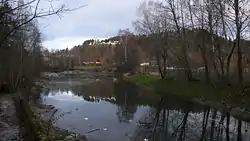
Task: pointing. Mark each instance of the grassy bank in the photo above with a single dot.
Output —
(90, 67)
(193, 90)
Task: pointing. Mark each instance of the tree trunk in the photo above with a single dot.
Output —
(239, 53)
(182, 134)
(213, 124)
(204, 123)
(24, 114)
(204, 58)
(229, 56)
(239, 138)
(229, 59)
(158, 61)
(157, 118)
(164, 58)
(221, 61)
(163, 138)
(227, 126)
(188, 70)
(181, 36)
(211, 32)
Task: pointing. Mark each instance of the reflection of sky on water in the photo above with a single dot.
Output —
(64, 96)
(101, 114)
(123, 111)
(70, 96)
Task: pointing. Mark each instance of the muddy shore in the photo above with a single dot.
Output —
(9, 129)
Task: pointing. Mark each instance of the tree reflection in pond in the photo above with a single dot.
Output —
(167, 124)
(126, 95)
(169, 118)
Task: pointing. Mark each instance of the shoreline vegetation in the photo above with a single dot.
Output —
(38, 117)
(88, 68)
(223, 98)
(47, 114)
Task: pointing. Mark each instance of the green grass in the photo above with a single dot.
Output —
(183, 88)
(190, 90)
(92, 67)
(143, 80)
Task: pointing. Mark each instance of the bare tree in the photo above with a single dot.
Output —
(34, 6)
(200, 37)
(16, 20)
(234, 21)
(241, 20)
(127, 52)
(123, 34)
(153, 23)
(177, 11)
(20, 52)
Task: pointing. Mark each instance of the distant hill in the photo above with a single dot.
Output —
(101, 48)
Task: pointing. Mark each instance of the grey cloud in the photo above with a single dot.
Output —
(99, 19)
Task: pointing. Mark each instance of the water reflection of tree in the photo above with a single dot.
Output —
(167, 124)
(35, 95)
(126, 100)
(96, 90)
(46, 91)
(104, 91)
(126, 96)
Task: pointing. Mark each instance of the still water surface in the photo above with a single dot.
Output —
(108, 111)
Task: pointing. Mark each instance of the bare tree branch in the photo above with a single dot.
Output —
(37, 15)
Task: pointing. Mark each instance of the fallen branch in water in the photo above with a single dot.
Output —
(93, 130)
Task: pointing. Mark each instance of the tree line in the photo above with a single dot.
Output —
(21, 57)
(209, 35)
(20, 46)
(214, 31)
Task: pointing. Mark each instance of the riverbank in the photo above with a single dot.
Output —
(219, 97)
(88, 68)
(49, 131)
(46, 114)
(9, 128)
(42, 115)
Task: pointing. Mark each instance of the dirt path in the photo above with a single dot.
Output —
(8, 122)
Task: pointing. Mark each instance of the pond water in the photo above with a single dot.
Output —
(108, 111)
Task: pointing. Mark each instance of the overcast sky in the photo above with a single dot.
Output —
(99, 19)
